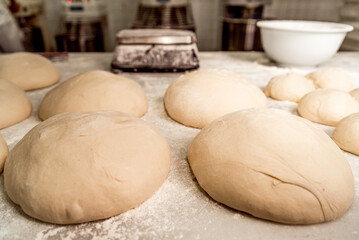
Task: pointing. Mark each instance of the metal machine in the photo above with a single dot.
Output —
(239, 31)
(169, 14)
(82, 26)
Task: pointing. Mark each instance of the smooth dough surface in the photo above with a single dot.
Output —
(15, 106)
(289, 87)
(334, 78)
(28, 70)
(95, 91)
(4, 150)
(273, 165)
(327, 106)
(197, 98)
(85, 166)
(355, 94)
(346, 134)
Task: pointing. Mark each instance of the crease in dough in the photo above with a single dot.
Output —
(238, 158)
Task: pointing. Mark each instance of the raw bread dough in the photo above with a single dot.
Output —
(197, 98)
(355, 94)
(28, 70)
(95, 91)
(346, 134)
(273, 165)
(290, 87)
(327, 106)
(84, 166)
(15, 106)
(4, 150)
(334, 78)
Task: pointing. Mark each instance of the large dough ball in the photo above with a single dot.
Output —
(95, 91)
(327, 106)
(333, 78)
(273, 165)
(346, 134)
(15, 106)
(199, 97)
(28, 70)
(290, 87)
(355, 94)
(79, 167)
(4, 150)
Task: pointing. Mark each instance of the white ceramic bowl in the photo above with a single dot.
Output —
(301, 43)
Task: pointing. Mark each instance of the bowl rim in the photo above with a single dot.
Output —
(288, 25)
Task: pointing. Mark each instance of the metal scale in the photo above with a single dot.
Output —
(162, 39)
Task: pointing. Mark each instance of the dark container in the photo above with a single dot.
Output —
(81, 37)
(241, 34)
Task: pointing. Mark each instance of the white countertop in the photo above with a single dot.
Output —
(180, 209)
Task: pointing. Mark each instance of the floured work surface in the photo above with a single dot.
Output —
(180, 209)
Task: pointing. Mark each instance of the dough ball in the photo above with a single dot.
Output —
(4, 150)
(95, 91)
(290, 87)
(199, 97)
(327, 106)
(355, 94)
(15, 106)
(273, 165)
(334, 78)
(85, 166)
(346, 134)
(28, 70)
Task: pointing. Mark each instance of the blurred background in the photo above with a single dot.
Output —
(92, 25)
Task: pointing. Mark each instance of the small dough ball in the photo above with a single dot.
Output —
(197, 98)
(290, 87)
(95, 91)
(346, 134)
(334, 78)
(15, 106)
(355, 94)
(273, 165)
(4, 150)
(85, 166)
(327, 106)
(28, 70)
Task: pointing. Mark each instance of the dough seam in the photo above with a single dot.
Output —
(303, 186)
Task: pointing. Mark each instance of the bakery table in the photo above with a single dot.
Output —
(180, 209)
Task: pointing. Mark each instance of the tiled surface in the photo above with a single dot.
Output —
(349, 13)
(323, 10)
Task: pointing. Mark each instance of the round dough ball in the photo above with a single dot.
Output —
(355, 94)
(84, 166)
(333, 78)
(346, 134)
(290, 87)
(273, 165)
(327, 106)
(28, 70)
(197, 98)
(95, 91)
(15, 106)
(4, 150)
